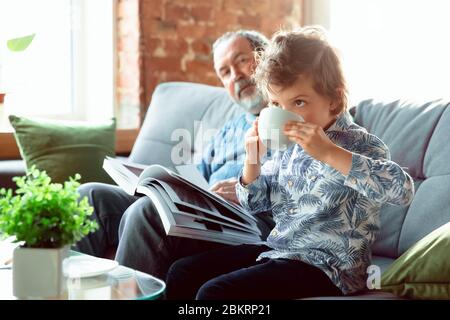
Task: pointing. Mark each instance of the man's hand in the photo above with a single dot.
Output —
(226, 189)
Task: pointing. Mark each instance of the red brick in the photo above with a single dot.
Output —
(175, 46)
(286, 7)
(261, 7)
(209, 78)
(175, 76)
(270, 27)
(161, 28)
(166, 64)
(225, 19)
(151, 8)
(176, 12)
(201, 47)
(199, 67)
(250, 22)
(151, 44)
(201, 13)
(192, 31)
(182, 26)
(214, 3)
(236, 5)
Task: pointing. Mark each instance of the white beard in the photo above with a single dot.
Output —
(253, 103)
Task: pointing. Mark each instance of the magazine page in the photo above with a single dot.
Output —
(196, 201)
(216, 198)
(121, 175)
(192, 229)
(200, 215)
(192, 174)
(161, 206)
(160, 173)
(183, 225)
(125, 174)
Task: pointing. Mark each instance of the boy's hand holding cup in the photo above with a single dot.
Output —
(266, 132)
(254, 147)
(272, 121)
(255, 150)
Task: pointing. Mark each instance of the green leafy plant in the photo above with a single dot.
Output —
(45, 214)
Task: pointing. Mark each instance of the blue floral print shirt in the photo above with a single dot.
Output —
(323, 217)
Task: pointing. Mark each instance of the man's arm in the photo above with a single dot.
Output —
(205, 165)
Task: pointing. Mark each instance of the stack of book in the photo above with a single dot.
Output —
(185, 205)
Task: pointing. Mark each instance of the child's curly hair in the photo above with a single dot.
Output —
(307, 52)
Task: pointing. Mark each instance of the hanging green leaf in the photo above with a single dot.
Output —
(20, 44)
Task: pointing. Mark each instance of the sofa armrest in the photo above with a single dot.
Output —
(10, 169)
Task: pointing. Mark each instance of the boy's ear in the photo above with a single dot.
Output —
(337, 101)
(333, 106)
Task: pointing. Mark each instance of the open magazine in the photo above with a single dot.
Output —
(186, 206)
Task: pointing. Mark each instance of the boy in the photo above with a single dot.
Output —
(324, 192)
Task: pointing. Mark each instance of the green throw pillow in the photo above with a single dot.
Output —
(64, 148)
(423, 271)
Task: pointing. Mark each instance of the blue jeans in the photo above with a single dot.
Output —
(233, 273)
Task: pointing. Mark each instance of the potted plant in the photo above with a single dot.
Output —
(46, 218)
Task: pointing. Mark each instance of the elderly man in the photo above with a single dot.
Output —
(133, 223)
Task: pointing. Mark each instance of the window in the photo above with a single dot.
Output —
(391, 49)
(68, 70)
(38, 80)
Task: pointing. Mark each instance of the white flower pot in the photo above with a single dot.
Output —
(38, 272)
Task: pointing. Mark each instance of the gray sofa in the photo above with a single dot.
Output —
(417, 134)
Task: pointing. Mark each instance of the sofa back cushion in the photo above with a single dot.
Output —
(64, 148)
(181, 114)
(417, 135)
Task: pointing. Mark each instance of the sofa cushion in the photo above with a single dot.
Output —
(436, 159)
(64, 148)
(422, 272)
(405, 126)
(429, 210)
(416, 133)
(186, 117)
(391, 222)
(10, 169)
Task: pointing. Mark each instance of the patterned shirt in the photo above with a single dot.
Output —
(224, 156)
(323, 217)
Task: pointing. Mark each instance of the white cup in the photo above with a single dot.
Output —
(270, 127)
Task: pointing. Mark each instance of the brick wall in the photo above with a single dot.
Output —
(170, 40)
(129, 64)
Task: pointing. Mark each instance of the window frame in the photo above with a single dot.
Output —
(94, 63)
